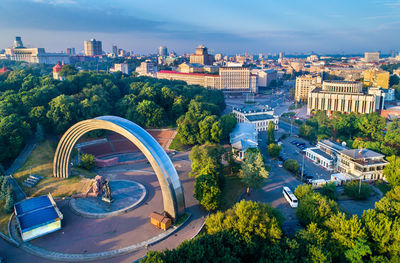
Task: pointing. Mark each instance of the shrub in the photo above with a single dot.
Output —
(329, 190)
(291, 165)
(87, 162)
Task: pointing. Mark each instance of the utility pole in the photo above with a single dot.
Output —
(302, 169)
(359, 187)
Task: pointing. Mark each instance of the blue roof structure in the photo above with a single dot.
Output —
(35, 212)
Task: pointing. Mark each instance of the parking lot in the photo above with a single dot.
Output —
(297, 152)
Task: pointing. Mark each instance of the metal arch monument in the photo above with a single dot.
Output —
(171, 188)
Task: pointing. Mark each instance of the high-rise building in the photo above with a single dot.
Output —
(371, 57)
(70, 51)
(201, 56)
(93, 47)
(115, 50)
(305, 84)
(345, 97)
(377, 78)
(163, 51)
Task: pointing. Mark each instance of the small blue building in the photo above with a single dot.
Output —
(37, 216)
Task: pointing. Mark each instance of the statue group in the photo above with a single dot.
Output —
(102, 188)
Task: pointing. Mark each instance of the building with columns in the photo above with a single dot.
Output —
(345, 97)
(305, 84)
(201, 56)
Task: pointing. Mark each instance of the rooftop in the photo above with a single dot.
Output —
(260, 117)
(250, 108)
(334, 145)
(244, 136)
(321, 153)
(361, 154)
(188, 74)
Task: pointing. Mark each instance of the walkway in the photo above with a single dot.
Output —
(18, 162)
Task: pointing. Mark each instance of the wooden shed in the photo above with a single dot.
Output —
(160, 221)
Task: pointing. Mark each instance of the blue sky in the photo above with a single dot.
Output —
(226, 26)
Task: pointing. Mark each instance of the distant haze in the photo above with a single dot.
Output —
(224, 26)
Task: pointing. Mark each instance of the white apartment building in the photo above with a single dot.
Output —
(147, 68)
(305, 84)
(258, 115)
(123, 67)
(371, 57)
(265, 76)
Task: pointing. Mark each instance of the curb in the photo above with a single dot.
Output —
(75, 257)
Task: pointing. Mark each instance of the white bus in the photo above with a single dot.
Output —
(290, 197)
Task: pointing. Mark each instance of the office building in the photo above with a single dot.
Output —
(345, 97)
(376, 78)
(70, 51)
(258, 115)
(201, 56)
(115, 50)
(305, 84)
(147, 68)
(265, 76)
(33, 55)
(371, 57)
(162, 51)
(233, 79)
(325, 154)
(362, 164)
(93, 47)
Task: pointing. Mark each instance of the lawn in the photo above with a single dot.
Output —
(233, 187)
(41, 163)
(4, 219)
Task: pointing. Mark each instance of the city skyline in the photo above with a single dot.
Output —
(225, 27)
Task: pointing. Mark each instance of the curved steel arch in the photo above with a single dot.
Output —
(171, 188)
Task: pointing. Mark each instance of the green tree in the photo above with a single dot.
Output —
(271, 132)
(228, 122)
(87, 162)
(274, 150)
(372, 125)
(253, 171)
(207, 134)
(206, 159)
(354, 190)
(207, 192)
(303, 190)
(392, 171)
(329, 190)
(308, 132)
(315, 208)
(291, 165)
(251, 219)
(64, 111)
(10, 201)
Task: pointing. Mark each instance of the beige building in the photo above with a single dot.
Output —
(345, 97)
(93, 47)
(371, 57)
(33, 55)
(363, 164)
(201, 56)
(305, 84)
(235, 79)
(122, 67)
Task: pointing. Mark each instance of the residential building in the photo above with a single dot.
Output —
(123, 67)
(162, 51)
(305, 84)
(362, 164)
(70, 51)
(93, 47)
(258, 115)
(147, 68)
(32, 55)
(205, 80)
(243, 137)
(201, 56)
(371, 57)
(376, 78)
(345, 97)
(115, 50)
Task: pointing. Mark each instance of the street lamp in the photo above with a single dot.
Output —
(302, 169)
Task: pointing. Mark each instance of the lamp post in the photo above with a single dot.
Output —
(302, 169)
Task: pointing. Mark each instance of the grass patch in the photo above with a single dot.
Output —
(41, 163)
(233, 187)
(382, 186)
(3, 219)
(181, 219)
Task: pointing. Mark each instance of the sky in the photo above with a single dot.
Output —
(224, 26)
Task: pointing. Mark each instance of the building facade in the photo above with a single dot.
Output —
(345, 97)
(33, 55)
(123, 67)
(147, 68)
(201, 56)
(258, 115)
(376, 78)
(362, 164)
(304, 85)
(371, 57)
(243, 137)
(162, 51)
(265, 76)
(93, 47)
